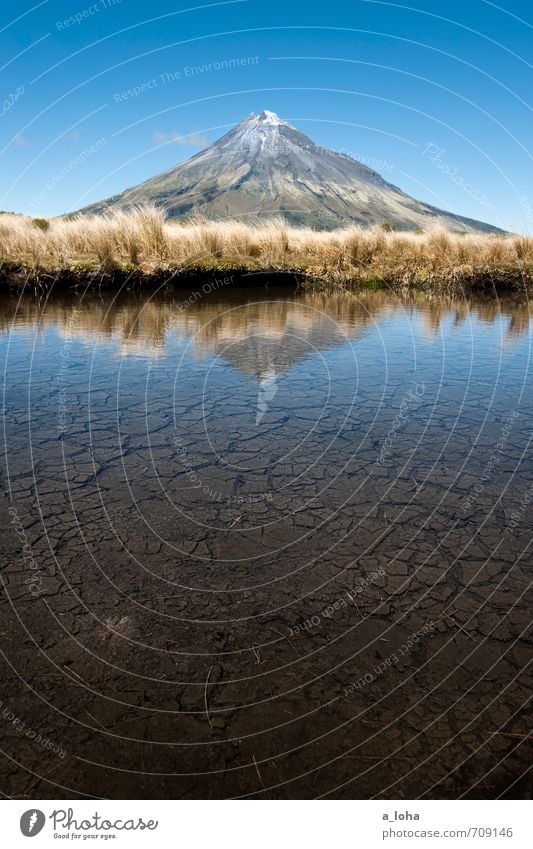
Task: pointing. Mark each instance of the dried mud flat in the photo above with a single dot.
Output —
(220, 580)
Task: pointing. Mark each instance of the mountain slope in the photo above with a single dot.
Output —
(265, 166)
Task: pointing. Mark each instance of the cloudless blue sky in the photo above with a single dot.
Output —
(437, 96)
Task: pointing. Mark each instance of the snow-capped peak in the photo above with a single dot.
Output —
(265, 166)
(261, 132)
(265, 118)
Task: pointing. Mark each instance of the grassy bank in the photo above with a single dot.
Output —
(140, 243)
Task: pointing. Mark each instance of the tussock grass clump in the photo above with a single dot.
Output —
(41, 223)
(140, 238)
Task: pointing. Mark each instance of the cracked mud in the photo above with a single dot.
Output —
(244, 556)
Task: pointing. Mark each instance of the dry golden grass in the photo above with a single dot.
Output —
(141, 239)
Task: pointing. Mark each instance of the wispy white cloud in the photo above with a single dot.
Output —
(20, 141)
(191, 140)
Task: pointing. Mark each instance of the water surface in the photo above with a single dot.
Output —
(262, 543)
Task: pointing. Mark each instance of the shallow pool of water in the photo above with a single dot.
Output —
(262, 543)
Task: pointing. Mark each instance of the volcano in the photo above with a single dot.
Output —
(266, 167)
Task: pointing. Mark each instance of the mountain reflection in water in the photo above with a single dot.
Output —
(142, 322)
(266, 533)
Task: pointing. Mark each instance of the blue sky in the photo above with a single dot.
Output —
(98, 96)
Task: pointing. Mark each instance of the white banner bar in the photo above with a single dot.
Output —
(268, 824)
